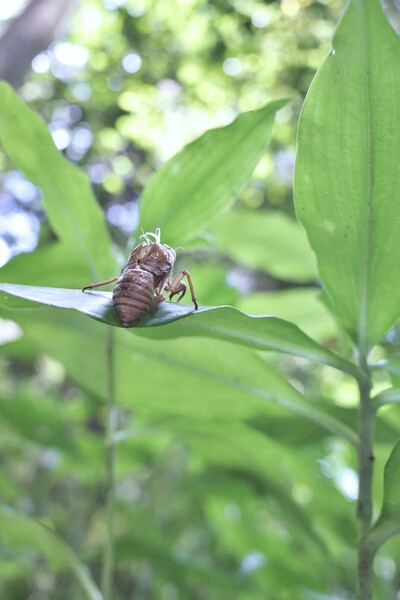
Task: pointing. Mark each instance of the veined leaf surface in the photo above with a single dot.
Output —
(72, 209)
(347, 182)
(205, 178)
(224, 322)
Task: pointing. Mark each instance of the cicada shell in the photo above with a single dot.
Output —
(143, 278)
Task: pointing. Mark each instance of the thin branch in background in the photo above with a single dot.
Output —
(110, 464)
(364, 503)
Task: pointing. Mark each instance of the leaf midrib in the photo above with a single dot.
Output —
(363, 319)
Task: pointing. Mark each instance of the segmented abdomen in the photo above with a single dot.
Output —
(133, 295)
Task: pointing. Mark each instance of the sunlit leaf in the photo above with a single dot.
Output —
(50, 265)
(206, 177)
(160, 376)
(19, 531)
(347, 172)
(226, 323)
(72, 210)
(301, 306)
(271, 242)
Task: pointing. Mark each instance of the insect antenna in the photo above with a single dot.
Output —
(148, 235)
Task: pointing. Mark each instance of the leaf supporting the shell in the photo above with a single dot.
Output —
(224, 322)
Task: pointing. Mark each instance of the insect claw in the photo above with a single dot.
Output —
(91, 286)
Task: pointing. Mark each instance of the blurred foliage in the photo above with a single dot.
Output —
(221, 493)
(130, 82)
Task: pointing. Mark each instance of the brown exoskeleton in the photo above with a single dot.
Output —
(144, 277)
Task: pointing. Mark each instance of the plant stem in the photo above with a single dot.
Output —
(108, 554)
(364, 504)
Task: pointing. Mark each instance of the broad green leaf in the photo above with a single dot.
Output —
(206, 177)
(160, 377)
(37, 419)
(391, 485)
(259, 332)
(72, 210)
(271, 242)
(250, 454)
(210, 279)
(301, 306)
(50, 265)
(388, 523)
(347, 179)
(143, 543)
(235, 446)
(226, 323)
(19, 531)
(387, 396)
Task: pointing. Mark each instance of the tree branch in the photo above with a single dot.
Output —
(28, 35)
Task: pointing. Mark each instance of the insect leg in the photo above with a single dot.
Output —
(159, 298)
(95, 285)
(177, 286)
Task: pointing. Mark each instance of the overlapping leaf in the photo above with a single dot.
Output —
(19, 531)
(269, 241)
(205, 178)
(347, 181)
(72, 210)
(388, 523)
(171, 376)
(226, 323)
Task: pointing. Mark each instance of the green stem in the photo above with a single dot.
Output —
(364, 504)
(108, 554)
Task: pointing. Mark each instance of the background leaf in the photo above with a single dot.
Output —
(72, 210)
(205, 178)
(347, 172)
(391, 484)
(271, 242)
(301, 306)
(52, 265)
(388, 523)
(19, 531)
(206, 371)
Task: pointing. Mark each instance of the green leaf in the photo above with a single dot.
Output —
(206, 177)
(19, 531)
(388, 396)
(301, 306)
(388, 523)
(271, 242)
(145, 544)
(37, 419)
(260, 332)
(50, 265)
(72, 210)
(158, 377)
(245, 450)
(226, 323)
(211, 279)
(347, 176)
